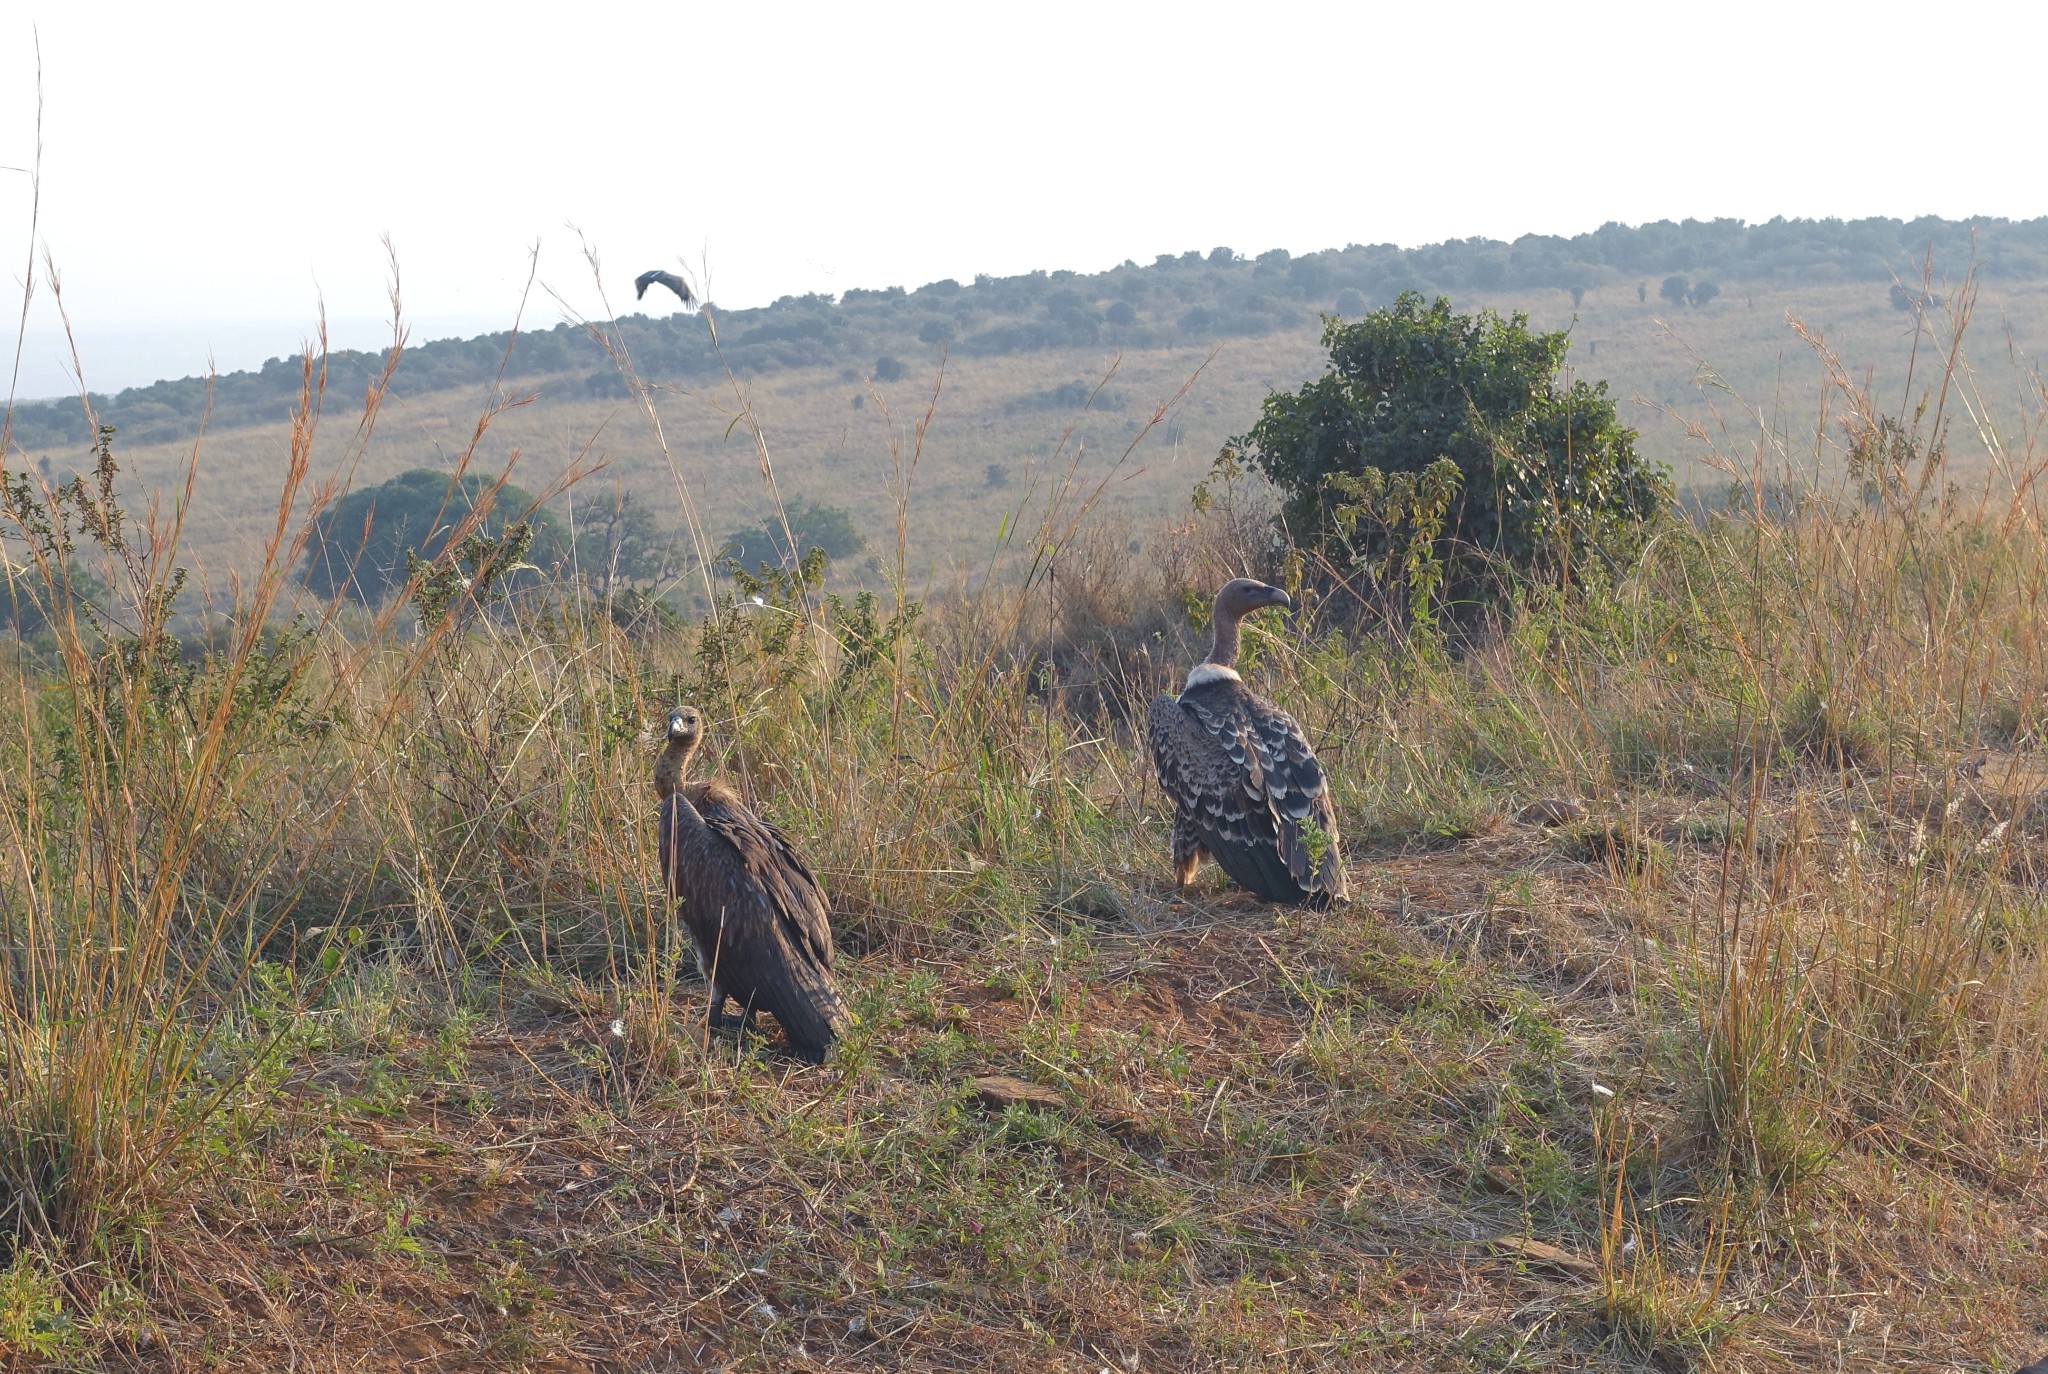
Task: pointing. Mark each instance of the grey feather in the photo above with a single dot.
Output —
(1247, 788)
(660, 278)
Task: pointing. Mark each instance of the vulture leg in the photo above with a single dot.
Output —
(717, 1019)
(1188, 853)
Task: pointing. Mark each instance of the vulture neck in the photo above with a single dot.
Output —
(1220, 666)
(670, 767)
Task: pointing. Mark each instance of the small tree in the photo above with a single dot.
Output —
(620, 543)
(815, 526)
(1578, 295)
(889, 369)
(363, 545)
(1546, 477)
(1703, 292)
(1675, 289)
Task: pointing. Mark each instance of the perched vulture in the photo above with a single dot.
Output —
(660, 278)
(754, 911)
(1245, 786)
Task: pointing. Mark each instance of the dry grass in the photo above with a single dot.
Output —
(314, 952)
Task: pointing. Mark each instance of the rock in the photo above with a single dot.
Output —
(1552, 811)
(998, 1091)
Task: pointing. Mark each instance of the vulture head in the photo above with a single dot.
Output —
(685, 729)
(1239, 598)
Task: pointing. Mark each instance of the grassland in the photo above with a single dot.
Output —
(1683, 375)
(1689, 1014)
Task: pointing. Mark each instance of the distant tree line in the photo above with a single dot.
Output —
(1191, 298)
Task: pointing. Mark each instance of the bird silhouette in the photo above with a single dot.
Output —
(660, 278)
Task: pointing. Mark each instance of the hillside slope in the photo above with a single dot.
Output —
(1024, 355)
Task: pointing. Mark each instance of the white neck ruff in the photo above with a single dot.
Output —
(1203, 673)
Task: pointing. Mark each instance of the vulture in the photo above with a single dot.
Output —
(660, 278)
(1245, 786)
(754, 911)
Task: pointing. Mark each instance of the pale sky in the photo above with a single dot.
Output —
(210, 172)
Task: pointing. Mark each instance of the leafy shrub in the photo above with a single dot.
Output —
(1546, 476)
(362, 545)
(830, 528)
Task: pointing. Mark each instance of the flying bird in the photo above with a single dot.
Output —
(753, 909)
(1246, 788)
(660, 278)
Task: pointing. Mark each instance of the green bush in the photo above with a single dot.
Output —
(360, 544)
(815, 526)
(1546, 475)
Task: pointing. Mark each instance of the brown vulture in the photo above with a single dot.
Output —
(1245, 786)
(661, 278)
(754, 911)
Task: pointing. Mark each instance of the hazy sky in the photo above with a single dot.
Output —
(211, 171)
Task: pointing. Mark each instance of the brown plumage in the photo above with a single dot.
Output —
(754, 911)
(1245, 786)
(661, 278)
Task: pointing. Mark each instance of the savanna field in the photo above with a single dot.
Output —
(1687, 1014)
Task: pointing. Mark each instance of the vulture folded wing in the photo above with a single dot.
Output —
(1213, 777)
(755, 913)
(773, 862)
(1242, 774)
(1299, 795)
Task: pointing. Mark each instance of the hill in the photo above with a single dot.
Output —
(1648, 308)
